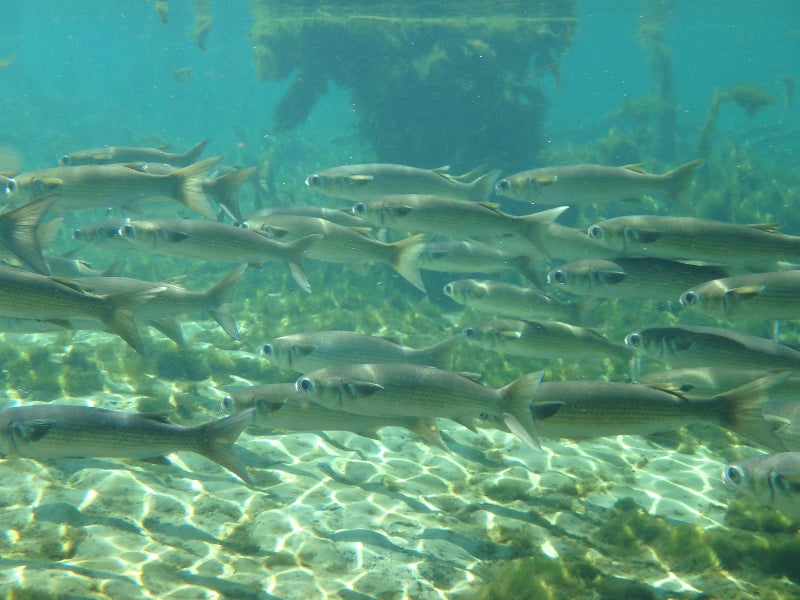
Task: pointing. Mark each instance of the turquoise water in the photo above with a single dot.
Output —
(336, 514)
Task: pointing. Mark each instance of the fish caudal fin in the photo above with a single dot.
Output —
(517, 399)
(745, 414)
(405, 259)
(293, 255)
(219, 301)
(678, 181)
(218, 439)
(225, 191)
(118, 316)
(190, 186)
(18, 232)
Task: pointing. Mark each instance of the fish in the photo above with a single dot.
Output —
(213, 240)
(403, 390)
(428, 213)
(314, 350)
(544, 340)
(19, 233)
(65, 266)
(105, 234)
(346, 245)
(588, 409)
(472, 257)
(514, 301)
(173, 300)
(771, 479)
(221, 185)
(341, 217)
(129, 154)
(763, 296)
(7, 185)
(66, 431)
(713, 380)
(34, 296)
(692, 346)
(696, 240)
(361, 182)
(631, 278)
(116, 186)
(280, 406)
(588, 184)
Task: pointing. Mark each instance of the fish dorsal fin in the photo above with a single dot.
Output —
(173, 280)
(32, 430)
(163, 148)
(636, 168)
(768, 227)
(360, 179)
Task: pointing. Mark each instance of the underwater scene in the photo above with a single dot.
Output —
(383, 301)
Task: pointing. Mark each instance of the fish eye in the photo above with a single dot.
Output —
(11, 187)
(77, 234)
(448, 289)
(503, 185)
(227, 404)
(557, 276)
(126, 231)
(733, 475)
(595, 232)
(64, 160)
(267, 350)
(313, 180)
(304, 384)
(468, 331)
(359, 208)
(634, 340)
(689, 299)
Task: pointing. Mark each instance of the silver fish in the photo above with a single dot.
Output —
(310, 351)
(630, 278)
(360, 182)
(711, 380)
(774, 295)
(401, 390)
(544, 340)
(587, 409)
(128, 154)
(690, 346)
(64, 431)
(772, 479)
(587, 184)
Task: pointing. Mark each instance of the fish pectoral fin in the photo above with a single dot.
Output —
(399, 211)
(157, 460)
(303, 349)
(744, 292)
(361, 388)
(545, 410)
(636, 168)
(360, 179)
(32, 430)
(644, 236)
(546, 179)
(612, 277)
(511, 335)
(767, 227)
(159, 417)
(174, 236)
(789, 483)
(476, 377)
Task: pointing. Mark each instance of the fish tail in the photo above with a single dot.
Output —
(441, 354)
(219, 298)
(226, 190)
(217, 440)
(517, 398)
(678, 181)
(483, 186)
(47, 232)
(193, 153)
(190, 186)
(745, 413)
(118, 316)
(536, 224)
(405, 259)
(18, 232)
(293, 255)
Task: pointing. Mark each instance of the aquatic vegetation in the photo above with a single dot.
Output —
(473, 76)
